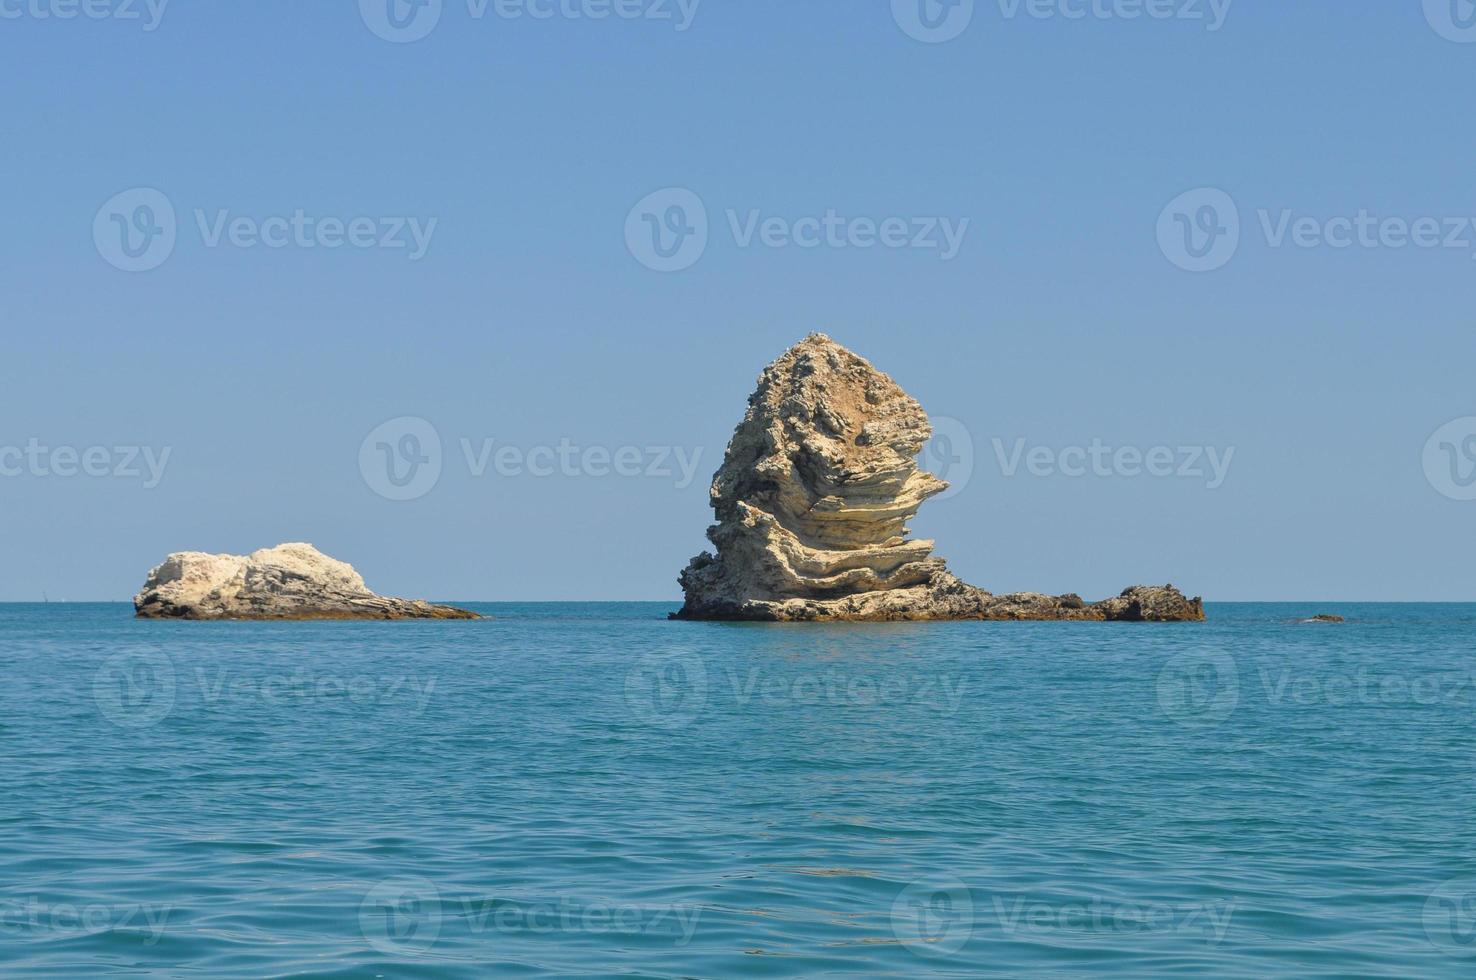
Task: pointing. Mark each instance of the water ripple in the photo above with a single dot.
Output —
(588, 789)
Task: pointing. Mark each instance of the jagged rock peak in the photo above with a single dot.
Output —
(828, 448)
(816, 489)
(290, 581)
(813, 500)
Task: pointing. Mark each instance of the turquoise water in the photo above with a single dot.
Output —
(589, 789)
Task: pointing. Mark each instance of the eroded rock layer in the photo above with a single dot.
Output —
(290, 581)
(813, 500)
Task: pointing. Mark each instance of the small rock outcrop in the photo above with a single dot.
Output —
(290, 581)
(813, 500)
(1325, 618)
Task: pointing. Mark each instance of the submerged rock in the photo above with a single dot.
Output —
(1325, 618)
(290, 581)
(812, 504)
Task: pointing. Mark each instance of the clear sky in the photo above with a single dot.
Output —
(1052, 140)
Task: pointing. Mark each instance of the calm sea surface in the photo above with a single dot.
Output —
(588, 789)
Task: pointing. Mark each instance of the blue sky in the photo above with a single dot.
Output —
(1063, 315)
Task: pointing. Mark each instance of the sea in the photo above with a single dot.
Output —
(587, 789)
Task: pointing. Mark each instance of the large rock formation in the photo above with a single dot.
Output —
(290, 581)
(813, 499)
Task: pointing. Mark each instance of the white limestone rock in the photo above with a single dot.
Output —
(290, 581)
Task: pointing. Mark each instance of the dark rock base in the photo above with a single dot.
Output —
(946, 598)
